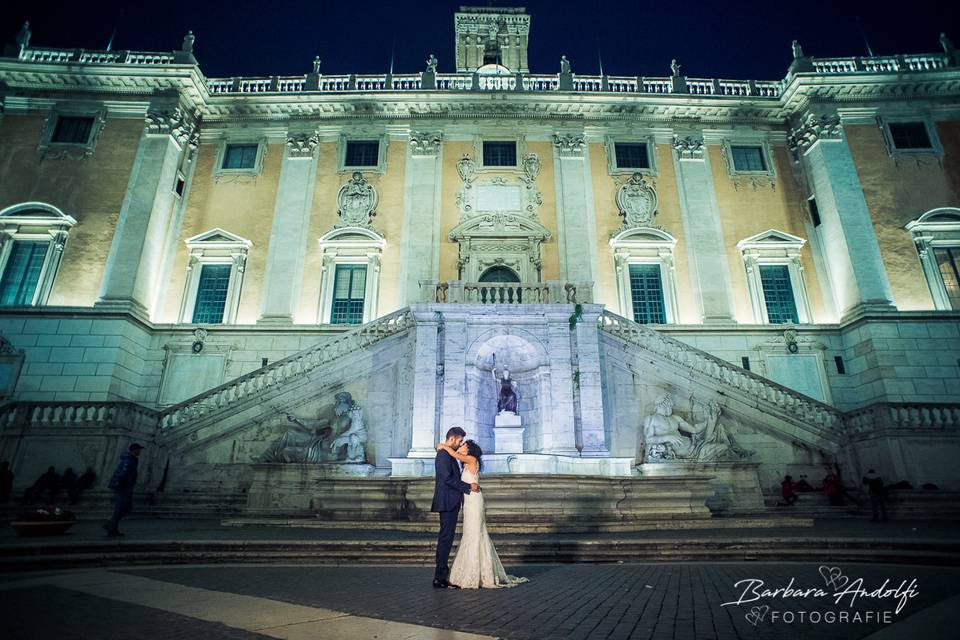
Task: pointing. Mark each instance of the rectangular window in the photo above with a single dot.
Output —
(814, 211)
(212, 294)
(362, 153)
(646, 292)
(841, 369)
(748, 158)
(72, 130)
(22, 273)
(500, 154)
(631, 155)
(745, 362)
(349, 284)
(240, 156)
(778, 294)
(948, 261)
(909, 135)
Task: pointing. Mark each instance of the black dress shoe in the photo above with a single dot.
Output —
(439, 584)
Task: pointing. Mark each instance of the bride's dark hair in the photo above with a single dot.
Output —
(473, 449)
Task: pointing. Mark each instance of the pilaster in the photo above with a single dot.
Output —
(427, 369)
(136, 257)
(588, 380)
(576, 218)
(709, 267)
(420, 241)
(857, 274)
(288, 235)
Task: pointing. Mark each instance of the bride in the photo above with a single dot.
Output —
(477, 564)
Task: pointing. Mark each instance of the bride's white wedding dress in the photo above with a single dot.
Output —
(477, 564)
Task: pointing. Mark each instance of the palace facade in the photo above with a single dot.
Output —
(185, 260)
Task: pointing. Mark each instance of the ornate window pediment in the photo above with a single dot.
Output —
(642, 253)
(936, 235)
(765, 256)
(215, 271)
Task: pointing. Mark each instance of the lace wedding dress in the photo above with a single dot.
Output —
(477, 564)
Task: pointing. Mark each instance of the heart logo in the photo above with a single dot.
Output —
(757, 614)
(833, 577)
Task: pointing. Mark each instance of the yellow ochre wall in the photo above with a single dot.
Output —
(900, 191)
(242, 205)
(745, 212)
(91, 190)
(609, 220)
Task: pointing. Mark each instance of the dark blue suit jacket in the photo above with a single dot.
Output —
(449, 489)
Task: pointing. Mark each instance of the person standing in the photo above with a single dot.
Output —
(122, 482)
(448, 494)
(6, 482)
(877, 495)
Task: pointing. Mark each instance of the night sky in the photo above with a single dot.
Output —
(281, 37)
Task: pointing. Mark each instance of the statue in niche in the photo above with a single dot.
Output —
(357, 202)
(507, 398)
(320, 441)
(669, 437)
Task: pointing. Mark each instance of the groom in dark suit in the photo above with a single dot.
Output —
(447, 498)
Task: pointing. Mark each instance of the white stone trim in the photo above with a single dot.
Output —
(935, 149)
(50, 149)
(215, 247)
(382, 139)
(774, 248)
(492, 136)
(350, 245)
(220, 173)
(645, 245)
(54, 227)
(937, 228)
(609, 143)
(765, 151)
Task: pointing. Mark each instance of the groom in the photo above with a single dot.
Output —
(447, 497)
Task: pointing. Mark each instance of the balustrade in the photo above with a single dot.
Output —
(551, 292)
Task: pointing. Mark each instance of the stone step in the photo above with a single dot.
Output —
(431, 524)
(513, 551)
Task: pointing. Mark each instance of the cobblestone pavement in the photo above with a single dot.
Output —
(590, 601)
(681, 601)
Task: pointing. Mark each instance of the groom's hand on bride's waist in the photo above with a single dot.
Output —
(474, 488)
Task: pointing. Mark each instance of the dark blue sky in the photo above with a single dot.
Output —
(710, 39)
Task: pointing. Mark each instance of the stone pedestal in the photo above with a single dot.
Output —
(507, 433)
(734, 486)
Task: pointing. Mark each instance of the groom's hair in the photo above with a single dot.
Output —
(456, 432)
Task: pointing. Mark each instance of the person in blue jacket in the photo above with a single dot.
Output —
(448, 495)
(122, 482)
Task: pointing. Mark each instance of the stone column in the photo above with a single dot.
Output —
(591, 393)
(420, 240)
(856, 272)
(425, 372)
(134, 263)
(709, 267)
(576, 219)
(288, 236)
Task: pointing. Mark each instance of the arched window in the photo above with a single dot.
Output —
(646, 285)
(32, 238)
(936, 235)
(350, 285)
(499, 274)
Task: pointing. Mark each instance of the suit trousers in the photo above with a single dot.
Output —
(448, 528)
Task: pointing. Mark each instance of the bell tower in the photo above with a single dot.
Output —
(492, 35)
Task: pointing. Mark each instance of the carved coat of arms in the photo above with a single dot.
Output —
(637, 202)
(357, 202)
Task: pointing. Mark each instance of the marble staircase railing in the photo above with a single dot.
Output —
(60, 414)
(787, 400)
(550, 292)
(903, 415)
(219, 399)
